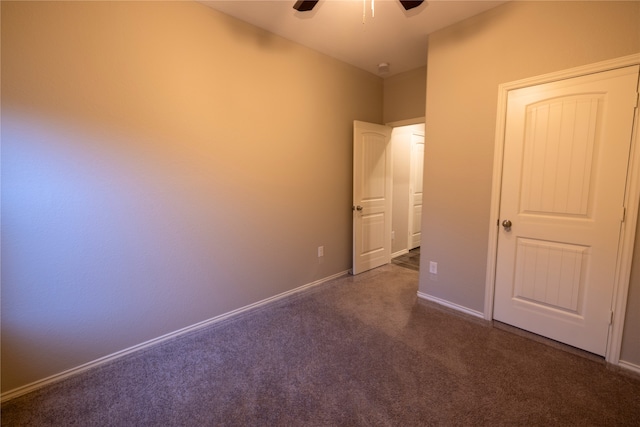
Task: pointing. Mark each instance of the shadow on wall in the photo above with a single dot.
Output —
(147, 155)
(92, 231)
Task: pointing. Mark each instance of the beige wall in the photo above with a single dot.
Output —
(162, 164)
(404, 95)
(467, 62)
(630, 351)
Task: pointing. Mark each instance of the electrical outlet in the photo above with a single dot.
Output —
(320, 251)
(433, 267)
(393, 235)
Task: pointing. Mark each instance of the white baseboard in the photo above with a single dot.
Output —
(629, 366)
(451, 305)
(11, 394)
(399, 253)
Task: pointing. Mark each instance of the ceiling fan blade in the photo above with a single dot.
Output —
(305, 5)
(408, 4)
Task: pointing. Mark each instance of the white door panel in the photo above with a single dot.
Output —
(371, 196)
(564, 174)
(415, 190)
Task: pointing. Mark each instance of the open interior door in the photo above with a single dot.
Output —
(371, 196)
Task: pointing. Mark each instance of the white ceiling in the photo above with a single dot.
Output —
(336, 28)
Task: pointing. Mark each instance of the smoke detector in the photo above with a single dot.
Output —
(383, 68)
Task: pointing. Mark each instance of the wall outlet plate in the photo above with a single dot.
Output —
(433, 267)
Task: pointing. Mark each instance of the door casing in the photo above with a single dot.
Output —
(632, 197)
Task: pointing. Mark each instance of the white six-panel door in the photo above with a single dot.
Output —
(415, 190)
(562, 203)
(371, 196)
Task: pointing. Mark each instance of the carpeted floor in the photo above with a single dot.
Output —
(357, 351)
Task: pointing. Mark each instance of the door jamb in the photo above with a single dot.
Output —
(632, 198)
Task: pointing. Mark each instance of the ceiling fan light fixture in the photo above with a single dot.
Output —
(410, 4)
(305, 5)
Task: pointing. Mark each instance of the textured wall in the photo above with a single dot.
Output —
(161, 164)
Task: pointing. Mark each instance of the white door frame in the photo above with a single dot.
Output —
(632, 198)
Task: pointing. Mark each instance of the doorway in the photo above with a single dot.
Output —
(387, 203)
(408, 160)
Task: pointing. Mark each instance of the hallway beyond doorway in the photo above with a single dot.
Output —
(409, 260)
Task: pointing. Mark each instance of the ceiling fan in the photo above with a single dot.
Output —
(306, 5)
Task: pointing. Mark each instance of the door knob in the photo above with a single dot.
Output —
(507, 225)
(357, 208)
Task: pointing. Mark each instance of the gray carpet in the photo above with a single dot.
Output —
(357, 351)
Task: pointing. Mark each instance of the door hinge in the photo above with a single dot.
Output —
(611, 317)
(623, 214)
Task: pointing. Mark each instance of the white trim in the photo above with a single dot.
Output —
(399, 253)
(407, 122)
(11, 394)
(629, 366)
(632, 197)
(450, 305)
